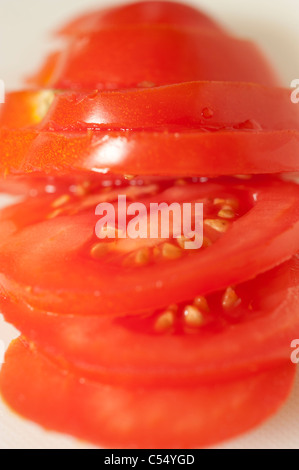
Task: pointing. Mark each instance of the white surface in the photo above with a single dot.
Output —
(24, 38)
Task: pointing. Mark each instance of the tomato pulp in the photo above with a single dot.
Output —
(65, 269)
(138, 417)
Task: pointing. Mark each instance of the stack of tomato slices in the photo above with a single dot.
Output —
(142, 343)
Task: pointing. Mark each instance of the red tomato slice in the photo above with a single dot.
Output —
(147, 153)
(170, 347)
(146, 56)
(83, 138)
(65, 270)
(195, 105)
(124, 417)
(147, 12)
(25, 108)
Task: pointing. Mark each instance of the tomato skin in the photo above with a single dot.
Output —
(157, 55)
(194, 106)
(271, 229)
(147, 12)
(122, 417)
(145, 153)
(252, 339)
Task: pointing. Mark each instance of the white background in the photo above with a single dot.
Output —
(25, 27)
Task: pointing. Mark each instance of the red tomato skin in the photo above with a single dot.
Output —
(142, 56)
(193, 106)
(124, 417)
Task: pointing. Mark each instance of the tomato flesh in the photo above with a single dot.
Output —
(207, 106)
(138, 417)
(59, 248)
(146, 153)
(139, 342)
(227, 344)
(143, 56)
(240, 128)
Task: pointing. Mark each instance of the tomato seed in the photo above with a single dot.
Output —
(201, 303)
(192, 316)
(217, 224)
(226, 203)
(165, 321)
(55, 214)
(142, 256)
(226, 213)
(230, 299)
(61, 200)
(170, 251)
(98, 250)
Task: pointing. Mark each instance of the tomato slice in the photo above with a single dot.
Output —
(65, 270)
(25, 108)
(195, 105)
(243, 152)
(138, 417)
(169, 346)
(145, 56)
(147, 12)
(88, 131)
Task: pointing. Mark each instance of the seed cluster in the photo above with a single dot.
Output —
(196, 314)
